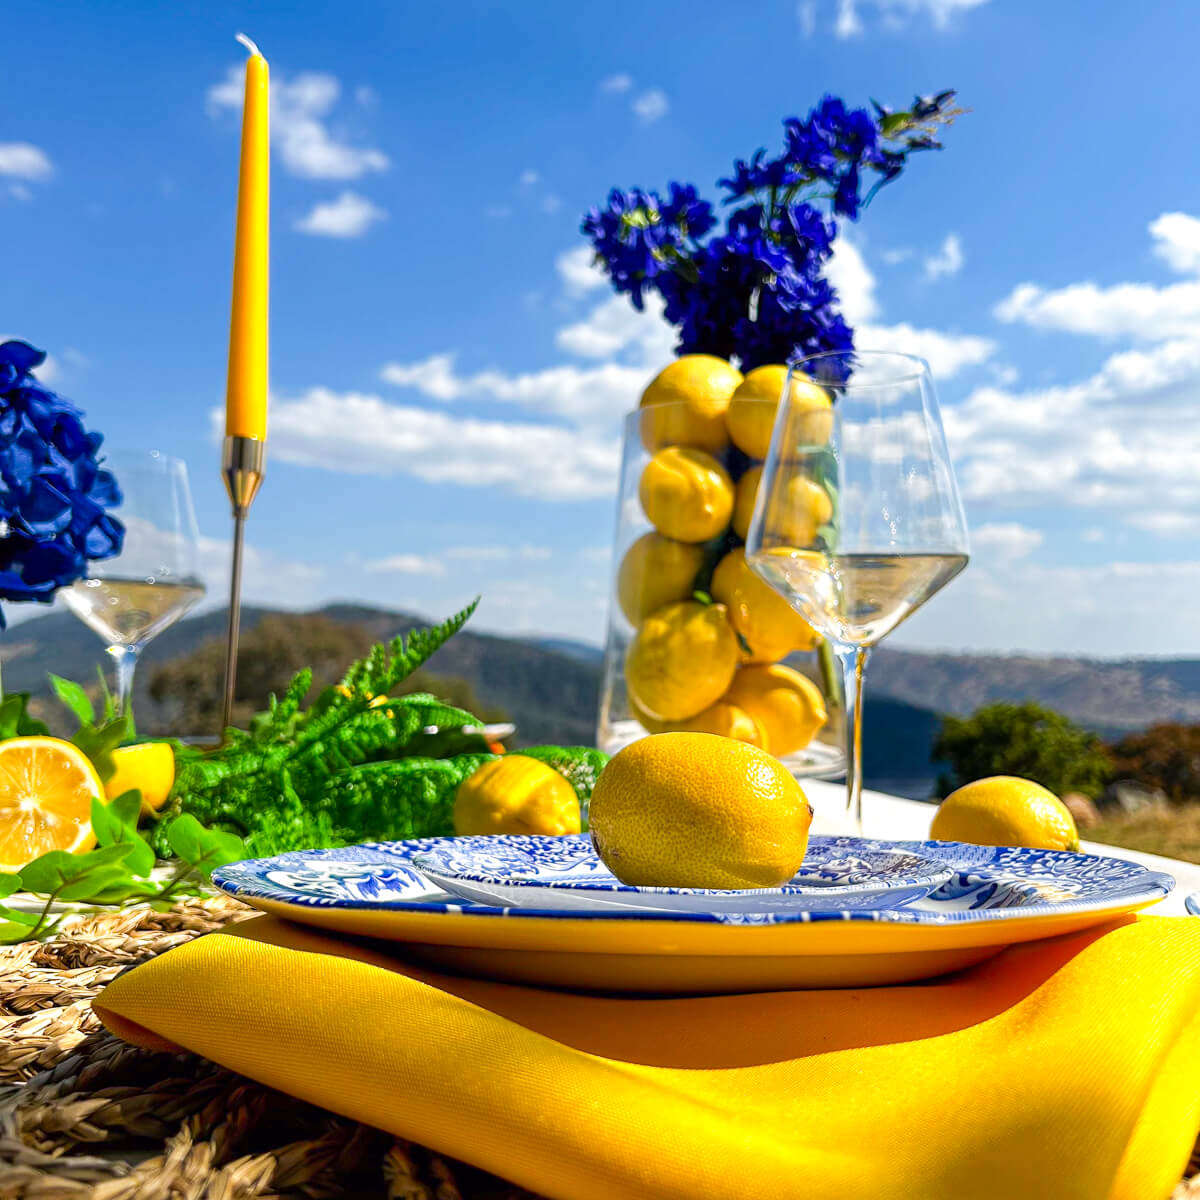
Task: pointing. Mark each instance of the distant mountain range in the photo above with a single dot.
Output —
(550, 686)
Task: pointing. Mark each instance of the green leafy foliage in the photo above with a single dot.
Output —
(1165, 756)
(96, 740)
(15, 720)
(1025, 740)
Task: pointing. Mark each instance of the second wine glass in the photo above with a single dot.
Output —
(155, 579)
(858, 521)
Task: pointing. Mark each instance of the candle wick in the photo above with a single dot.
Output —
(241, 37)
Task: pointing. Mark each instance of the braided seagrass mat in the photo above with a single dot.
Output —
(85, 1116)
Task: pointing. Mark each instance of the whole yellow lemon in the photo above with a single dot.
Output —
(681, 660)
(698, 810)
(686, 494)
(514, 794)
(725, 720)
(750, 417)
(686, 401)
(769, 625)
(644, 719)
(656, 571)
(744, 496)
(787, 705)
(149, 767)
(1004, 810)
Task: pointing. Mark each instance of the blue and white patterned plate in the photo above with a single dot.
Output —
(566, 873)
(988, 884)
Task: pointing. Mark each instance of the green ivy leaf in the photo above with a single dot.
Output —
(98, 743)
(76, 876)
(75, 698)
(9, 884)
(116, 824)
(15, 720)
(203, 849)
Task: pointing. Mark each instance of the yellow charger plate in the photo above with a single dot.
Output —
(997, 897)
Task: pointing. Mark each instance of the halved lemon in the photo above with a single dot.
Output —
(46, 791)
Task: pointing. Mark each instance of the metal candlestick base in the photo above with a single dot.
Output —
(243, 464)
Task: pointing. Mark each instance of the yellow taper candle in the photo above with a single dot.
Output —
(246, 389)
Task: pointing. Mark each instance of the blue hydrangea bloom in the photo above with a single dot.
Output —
(54, 493)
(756, 291)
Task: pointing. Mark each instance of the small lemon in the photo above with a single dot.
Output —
(686, 401)
(697, 810)
(725, 720)
(787, 705)
(644, 719)
(686, 494)
(681, 660)
(769, 625)
(656, 571)
(149, 767)
(515, 794)
(744, 496)
(1005, 811)
(750, 417)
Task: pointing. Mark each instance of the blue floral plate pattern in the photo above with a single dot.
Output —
(987, 884)
(566, 873)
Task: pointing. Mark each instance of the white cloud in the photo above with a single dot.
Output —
(620, 82)
(898, 255)
(529, 177)
(579, 271)
(407, 564)
(1006, 541)
(847, 23)
(1177, 241)
(20, 192)
(1136, 310)
(23, 160)
(946, 353)
(592, 397)
(652, 105)
(300, 108)
(948, 260)
(806, 17)
(893, 15)
(359, 433)
(349, 216)
(614, 326)
(498, 553)
(551, 203)
(365, 95)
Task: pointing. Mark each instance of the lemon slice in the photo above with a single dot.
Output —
(46, 792)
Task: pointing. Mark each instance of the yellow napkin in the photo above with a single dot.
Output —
(1059, 1069)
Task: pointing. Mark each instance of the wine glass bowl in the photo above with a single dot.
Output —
(859, 530)
(155, 580)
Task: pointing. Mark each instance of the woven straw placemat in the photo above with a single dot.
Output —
(85, 1116)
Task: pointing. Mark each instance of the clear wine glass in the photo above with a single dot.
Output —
(858, 519)
(155, 579)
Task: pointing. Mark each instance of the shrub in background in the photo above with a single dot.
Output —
(1026, 740)
(1164, 756)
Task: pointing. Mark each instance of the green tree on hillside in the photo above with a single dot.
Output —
(1164, 756)
(1026, 740)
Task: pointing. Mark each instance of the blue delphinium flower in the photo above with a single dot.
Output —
(54, 493)
(757, 291)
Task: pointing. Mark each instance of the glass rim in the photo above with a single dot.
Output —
(919, 367)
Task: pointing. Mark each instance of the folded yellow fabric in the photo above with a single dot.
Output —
(1061, 1069)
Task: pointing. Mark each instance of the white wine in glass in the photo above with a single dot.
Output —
(155, 579)
(895, 532)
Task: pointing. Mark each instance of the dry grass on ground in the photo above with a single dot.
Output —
(1174, 832)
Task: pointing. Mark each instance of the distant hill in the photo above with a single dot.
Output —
(550, 686)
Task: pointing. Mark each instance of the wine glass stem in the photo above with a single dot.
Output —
(854, 664)
(126, 658)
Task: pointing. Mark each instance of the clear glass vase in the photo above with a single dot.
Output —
(695, 639)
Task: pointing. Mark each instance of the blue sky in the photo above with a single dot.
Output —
(448, 375)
